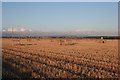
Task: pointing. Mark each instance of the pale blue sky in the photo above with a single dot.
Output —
(61, 16)
(60, 0)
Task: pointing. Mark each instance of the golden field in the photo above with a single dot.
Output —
(59, 58)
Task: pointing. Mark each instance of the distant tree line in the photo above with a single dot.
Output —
(70, 37)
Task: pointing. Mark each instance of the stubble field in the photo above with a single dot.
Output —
(59, 58)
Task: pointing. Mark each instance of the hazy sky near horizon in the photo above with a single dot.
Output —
(61, 16)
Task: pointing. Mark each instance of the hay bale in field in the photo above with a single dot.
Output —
(69, 42)
(66, 42)
(102, 40)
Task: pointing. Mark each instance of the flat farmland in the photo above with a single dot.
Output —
(59, 58)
